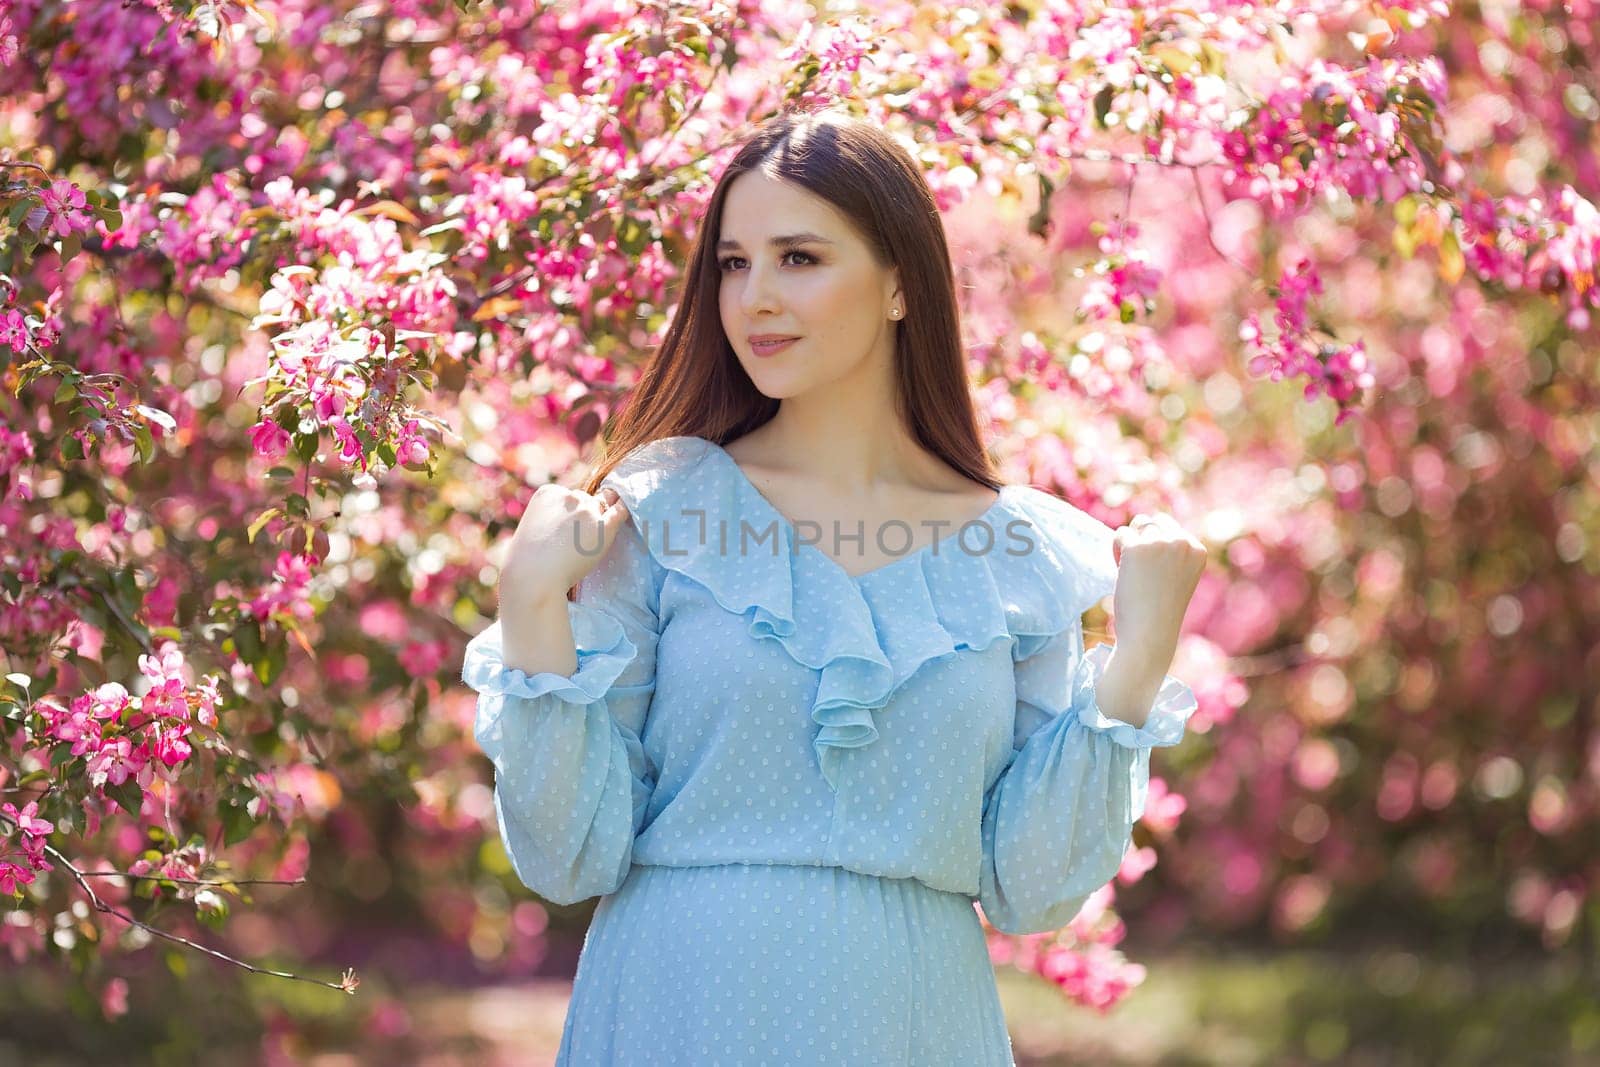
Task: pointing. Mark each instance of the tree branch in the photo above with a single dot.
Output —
(1200, 197)
(347, 983)
(194, 881)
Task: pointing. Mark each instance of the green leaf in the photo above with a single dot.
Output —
(125, 582)
(492, 857)
(247, 641)
(305, 446)
(127, 795)
(236, 823)
(20, 680)
(1102, 104)
(260, 521)
(144, 442)
(632, 236)
(1040, 220)
(271, 664)
(71, 447)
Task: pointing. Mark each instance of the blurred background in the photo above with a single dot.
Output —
(1316, 280)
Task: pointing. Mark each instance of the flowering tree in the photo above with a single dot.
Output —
(298, 303)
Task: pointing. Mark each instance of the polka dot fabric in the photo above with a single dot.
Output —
(789, 785)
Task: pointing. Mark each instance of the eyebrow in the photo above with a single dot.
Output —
(782, 241)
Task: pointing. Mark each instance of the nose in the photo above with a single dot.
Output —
(757, 296)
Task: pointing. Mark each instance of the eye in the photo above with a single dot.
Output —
(727, 262)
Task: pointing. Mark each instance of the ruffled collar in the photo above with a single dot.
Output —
(864, 634)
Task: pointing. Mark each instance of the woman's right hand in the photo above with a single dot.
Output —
(562, 536)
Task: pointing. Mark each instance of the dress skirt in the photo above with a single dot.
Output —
(749, 964)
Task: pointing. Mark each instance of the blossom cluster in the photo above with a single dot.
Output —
(23, 837)
(125, 738)
(1340, 371)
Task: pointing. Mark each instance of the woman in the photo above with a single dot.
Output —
(823, 684)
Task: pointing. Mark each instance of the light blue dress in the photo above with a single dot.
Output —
(789, 784)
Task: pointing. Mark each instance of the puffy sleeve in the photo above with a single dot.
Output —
(1058, 819)
(571, 780)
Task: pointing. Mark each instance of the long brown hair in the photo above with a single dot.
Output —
(694, 384)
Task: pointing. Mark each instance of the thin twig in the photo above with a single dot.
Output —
(1270, 663)
(127, 623)
(1200, 196)
(175, 879)
(23, 163)
(1127, 199)
(195, 881)
(683, 119)
(347, 984)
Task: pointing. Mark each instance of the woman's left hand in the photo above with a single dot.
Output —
(1159, 566)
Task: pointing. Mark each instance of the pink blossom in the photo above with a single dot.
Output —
(13, 330)
(169, 744)
(412, 449)
(270, 440)
(13, 875)
(8, 42)
(114, 998)
(27, 819)
(1136, 863)
(66, 205)
(115, 762)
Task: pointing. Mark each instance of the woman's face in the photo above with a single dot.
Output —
(792, 265)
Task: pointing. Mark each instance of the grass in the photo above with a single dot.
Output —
(1379, 1008)
(1388, 1008)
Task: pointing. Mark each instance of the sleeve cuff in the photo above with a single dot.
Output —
(604, 651)
(1169, 714)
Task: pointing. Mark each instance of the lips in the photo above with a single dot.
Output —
(769, 345)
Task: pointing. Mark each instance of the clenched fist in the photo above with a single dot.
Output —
(1159, 565)
(562, 536)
